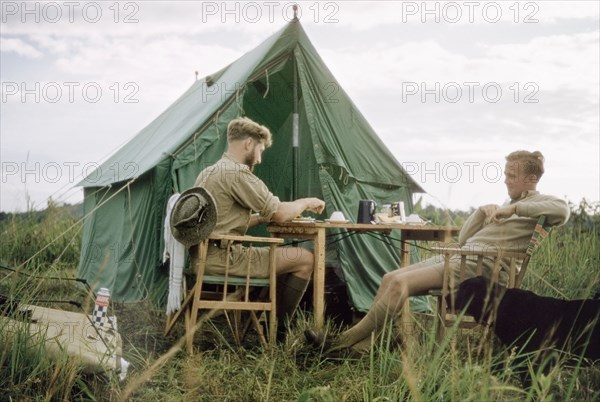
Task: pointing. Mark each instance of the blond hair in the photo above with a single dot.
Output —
(242, 128)
(531, 162)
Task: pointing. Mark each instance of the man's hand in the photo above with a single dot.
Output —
(489, 210)
(314, 205)
(291, 209)
(505, 212)
(496, 214)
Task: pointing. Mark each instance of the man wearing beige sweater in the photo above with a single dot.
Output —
(507, 227)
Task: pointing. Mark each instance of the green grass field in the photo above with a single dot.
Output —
(462, 368)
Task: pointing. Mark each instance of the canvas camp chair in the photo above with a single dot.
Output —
(231, 294)
(191, 222)
(517, 262)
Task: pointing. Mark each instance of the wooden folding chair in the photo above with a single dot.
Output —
(230, 293)
(517, 262)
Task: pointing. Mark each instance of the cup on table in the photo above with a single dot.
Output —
(337, 216)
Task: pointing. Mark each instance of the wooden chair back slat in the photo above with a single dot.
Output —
(517, 267)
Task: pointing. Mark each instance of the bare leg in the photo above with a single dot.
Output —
(294, 260)
(395, 287)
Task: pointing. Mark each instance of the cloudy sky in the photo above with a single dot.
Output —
(450, 87)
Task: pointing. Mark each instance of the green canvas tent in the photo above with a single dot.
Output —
(322, 147)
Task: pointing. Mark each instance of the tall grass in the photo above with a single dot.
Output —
(36, 245)
(463, 367)
(26, 369)
(567, 265)
(50, 238)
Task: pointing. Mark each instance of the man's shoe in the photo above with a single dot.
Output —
(317, 339)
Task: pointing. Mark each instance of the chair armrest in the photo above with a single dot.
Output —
(272, 240)
(490, 252)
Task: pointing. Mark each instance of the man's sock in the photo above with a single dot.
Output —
(361, 332)
(289, 294)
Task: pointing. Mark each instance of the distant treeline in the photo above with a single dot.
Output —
(66, 210)
(44, 238)
(585, 215)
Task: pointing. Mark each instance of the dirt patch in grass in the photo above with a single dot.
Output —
(142, 327)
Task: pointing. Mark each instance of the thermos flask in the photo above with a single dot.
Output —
(366, 211)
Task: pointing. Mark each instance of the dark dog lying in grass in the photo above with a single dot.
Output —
(531, 323)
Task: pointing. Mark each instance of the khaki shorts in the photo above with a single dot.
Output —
(437, 263)
(241, 259)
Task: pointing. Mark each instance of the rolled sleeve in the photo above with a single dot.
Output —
(555, 209)
(472, 225)
(253, 193)
(270, 208)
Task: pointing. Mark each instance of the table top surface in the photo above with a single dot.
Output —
(362, 226)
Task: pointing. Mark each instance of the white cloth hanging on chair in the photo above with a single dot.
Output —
(175, 253)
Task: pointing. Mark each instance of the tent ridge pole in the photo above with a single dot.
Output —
(295, 133)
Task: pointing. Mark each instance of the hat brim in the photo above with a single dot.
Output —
(194, 234)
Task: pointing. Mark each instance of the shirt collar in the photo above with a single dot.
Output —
(526, 194)
(227, 155)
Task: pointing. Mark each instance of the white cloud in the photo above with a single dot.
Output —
(553, 11)
(552, 62)
(55, 44)
(20, 47)
(367, 15)
(557, 61)
(148, 18)
(161, 67)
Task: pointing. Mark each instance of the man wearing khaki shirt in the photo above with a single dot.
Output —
(244, 201)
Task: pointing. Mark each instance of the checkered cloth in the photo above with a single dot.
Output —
(101, 318)
(100, 315)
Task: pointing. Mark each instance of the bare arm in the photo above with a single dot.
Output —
(289, 210)
(255, 219)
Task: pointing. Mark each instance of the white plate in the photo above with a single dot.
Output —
(334, 221)
(304, 220)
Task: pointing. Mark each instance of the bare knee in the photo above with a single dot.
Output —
(392, 281)
(394, 289)
(298, 261)
(305, 264)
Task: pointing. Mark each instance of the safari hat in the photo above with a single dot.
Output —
(194, 216)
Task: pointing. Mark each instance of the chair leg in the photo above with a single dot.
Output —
(233, 323)
(169, 324)
(441, 331)
(258, 328)
(407, 326)
(237, 323)
(273, 325)
(190, 324)
(441, 313)
(247, 322)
